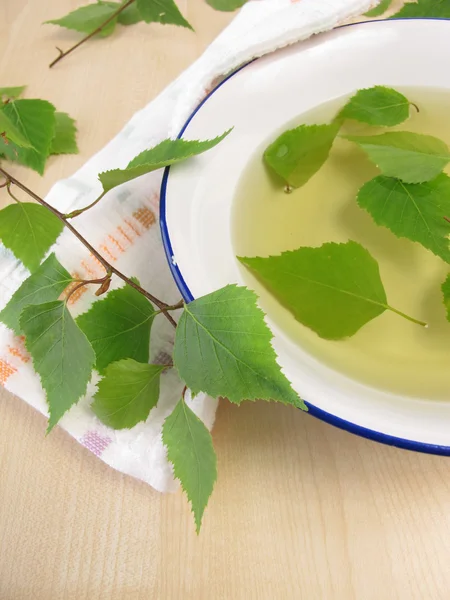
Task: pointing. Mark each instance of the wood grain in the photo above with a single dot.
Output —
(301, 510)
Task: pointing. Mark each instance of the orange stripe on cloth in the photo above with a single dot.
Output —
(6, 370)
(132, 227)
(98, 264)
(88, 270)
(116, 243)
(112, 246)
(154, 201)
(79, 292)
(125, 235)
(19, 352)
(145, 217)
(108, 252)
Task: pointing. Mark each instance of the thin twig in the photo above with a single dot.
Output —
(447, 219)
(107, 266)
(77, 287)
(8, 189)
(88, 281)
(176, 306)
(88, 37)
(83, 282)
(80, 211)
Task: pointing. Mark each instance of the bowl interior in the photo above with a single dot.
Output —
(257, 102)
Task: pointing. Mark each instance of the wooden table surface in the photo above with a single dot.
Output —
(301, 510)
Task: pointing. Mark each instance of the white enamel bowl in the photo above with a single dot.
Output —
(197, 196)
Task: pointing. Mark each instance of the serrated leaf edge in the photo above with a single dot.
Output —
(197, 518)
(51, 425)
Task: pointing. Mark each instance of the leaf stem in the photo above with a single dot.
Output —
(107, 266)
(412, 319)
(176, 306)
(8, 189)
(82, 284)
(104, 281)
(80, 211)
(415, 106)
(62, 54)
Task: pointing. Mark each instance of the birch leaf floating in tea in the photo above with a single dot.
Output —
(411, 157)
(446, 293)
(334, 290)
(380, 9)
(127, 393)
(381, 106)
(424, 8)
(414, 211)
(297, 154)
(167, 152)
(223, 348)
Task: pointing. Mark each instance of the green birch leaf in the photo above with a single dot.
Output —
(127, 393)
(226, 5)
(414, 211)
(380, 9)
(119, 326)
(334, 290)
(12, 133)
(61, 353)
(130, 16)
(64, 141)
(446, 293)
(191, 452)
(11, 93)
(35, 120)
(87, 18)
(379, 105)
(28, 230)
(164, 154)
(161, 11)
(297, 154)
(47, 283)
(424, 8)
(411, 157)
(223, 347)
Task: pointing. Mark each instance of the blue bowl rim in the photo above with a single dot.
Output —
(329, 418)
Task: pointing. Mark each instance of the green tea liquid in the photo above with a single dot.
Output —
(389, 352)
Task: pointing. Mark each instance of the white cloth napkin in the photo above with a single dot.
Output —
(124, 228)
